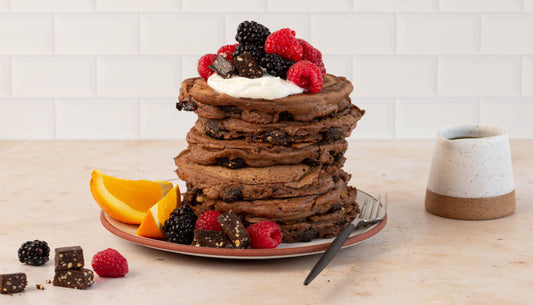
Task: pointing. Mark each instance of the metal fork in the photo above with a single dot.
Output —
(371, 213)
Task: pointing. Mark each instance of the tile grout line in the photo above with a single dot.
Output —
(394, 118)
(520, 73)
(139, 31)
(54, 118)
(436, 72)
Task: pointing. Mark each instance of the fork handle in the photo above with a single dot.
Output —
(333, 248)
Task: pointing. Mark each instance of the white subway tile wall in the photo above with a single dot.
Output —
(111, 69)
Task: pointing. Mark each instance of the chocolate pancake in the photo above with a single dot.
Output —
(230, 185)
(301, 218)
(280, 209)
(330, 128)
(196, 95)
(208, 151)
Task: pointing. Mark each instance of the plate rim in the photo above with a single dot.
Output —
(231, 253)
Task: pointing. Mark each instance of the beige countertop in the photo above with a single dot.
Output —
(418, 258)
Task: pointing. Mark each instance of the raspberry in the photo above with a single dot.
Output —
(251, 32)
(284, 43)
(208, 221)
(227, 51)
(109, 263)
(276, 65)
(265, 234)
(306, 75)
(312, 54)
(203, 65)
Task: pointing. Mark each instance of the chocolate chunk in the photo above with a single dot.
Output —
(310, 162)
(246, 66)
(207, 238)
(12, 282)
(186, 106)
(212, 128)
(307, 235)
(234, 230)
(76, 279)
(334, 209)
(277, 137)
(222, 67)
(231, 163)
(231, 109)
(333, 134)
(69, 258)
(285, 116)
(232, 193)
(338, 157)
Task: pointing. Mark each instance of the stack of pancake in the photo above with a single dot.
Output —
(278, 160)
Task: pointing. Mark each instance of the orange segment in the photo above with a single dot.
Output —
(126, 200)
(154, 219)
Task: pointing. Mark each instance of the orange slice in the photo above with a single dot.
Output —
(154, 219)
(126, 200)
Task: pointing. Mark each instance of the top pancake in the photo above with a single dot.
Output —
(196, 95)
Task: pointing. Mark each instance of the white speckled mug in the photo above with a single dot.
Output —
(471, 175)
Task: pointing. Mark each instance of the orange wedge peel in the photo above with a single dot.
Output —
(155, 217)
(126, 200)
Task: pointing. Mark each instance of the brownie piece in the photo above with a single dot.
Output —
(246, 66)
(12, 282)
(222, 67)
(69, 258)
(207, 238)
(74, 278)
(234, 230)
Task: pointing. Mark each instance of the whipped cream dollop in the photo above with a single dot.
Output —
(265, 87)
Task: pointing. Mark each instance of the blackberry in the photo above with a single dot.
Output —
(257, 51)
(179, 227)
(34, 253)
(276, 65)
(251, 32)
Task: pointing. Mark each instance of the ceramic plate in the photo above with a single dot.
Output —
(127, 232)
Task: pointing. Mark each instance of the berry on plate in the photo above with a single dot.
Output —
(265, 234)
(110, 263)
(284, 43)
(208, 221)
(179, 227)
(306, 75)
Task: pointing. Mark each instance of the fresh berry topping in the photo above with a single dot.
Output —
(208, 221)
(227, 51)
(203, 65)
(312, 54)
(256, 51)
(306, 75)
(110, 263)
(265, 235)
(251, 32)
(284, 43)
(276, 65)
(34, 253)
(179, 227)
